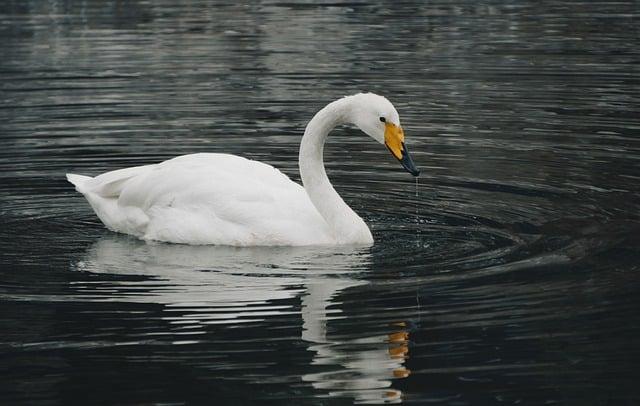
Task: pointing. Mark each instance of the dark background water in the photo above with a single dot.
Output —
(510, 276)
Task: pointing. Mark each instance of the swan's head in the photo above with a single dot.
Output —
(376, 116)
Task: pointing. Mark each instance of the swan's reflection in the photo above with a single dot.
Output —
(226, 285)
(217, 276)
(367, 364)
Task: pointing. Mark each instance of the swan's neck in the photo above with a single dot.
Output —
(347, 226)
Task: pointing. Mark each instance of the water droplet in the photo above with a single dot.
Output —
(417, 213)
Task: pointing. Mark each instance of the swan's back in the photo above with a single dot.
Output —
(206, 199)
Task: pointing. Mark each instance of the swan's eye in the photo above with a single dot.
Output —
(384, 120)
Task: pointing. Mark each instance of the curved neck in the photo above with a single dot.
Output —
(345, 223)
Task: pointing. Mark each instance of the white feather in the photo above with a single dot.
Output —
(229, 200)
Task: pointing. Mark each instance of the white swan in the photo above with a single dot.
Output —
(229, 200)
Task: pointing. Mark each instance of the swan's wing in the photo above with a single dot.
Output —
(195, 179)
(109, 184)
(223, 199)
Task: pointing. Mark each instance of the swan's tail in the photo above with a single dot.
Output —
(78, 181)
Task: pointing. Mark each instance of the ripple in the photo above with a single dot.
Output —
(507, 274)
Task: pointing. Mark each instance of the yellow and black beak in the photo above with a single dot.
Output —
(394, 140)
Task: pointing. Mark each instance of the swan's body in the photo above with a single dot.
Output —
(228, 200)
(207, 199)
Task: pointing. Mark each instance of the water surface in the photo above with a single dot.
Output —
(509, 276)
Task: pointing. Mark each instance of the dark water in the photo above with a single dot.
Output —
(511, 277)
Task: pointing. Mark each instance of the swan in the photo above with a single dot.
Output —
(223, 199)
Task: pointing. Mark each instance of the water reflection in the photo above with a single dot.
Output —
(204, 285)
(368, 364)
(361, 367)
(521, 245)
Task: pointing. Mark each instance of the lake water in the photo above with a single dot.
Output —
(509, 276)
